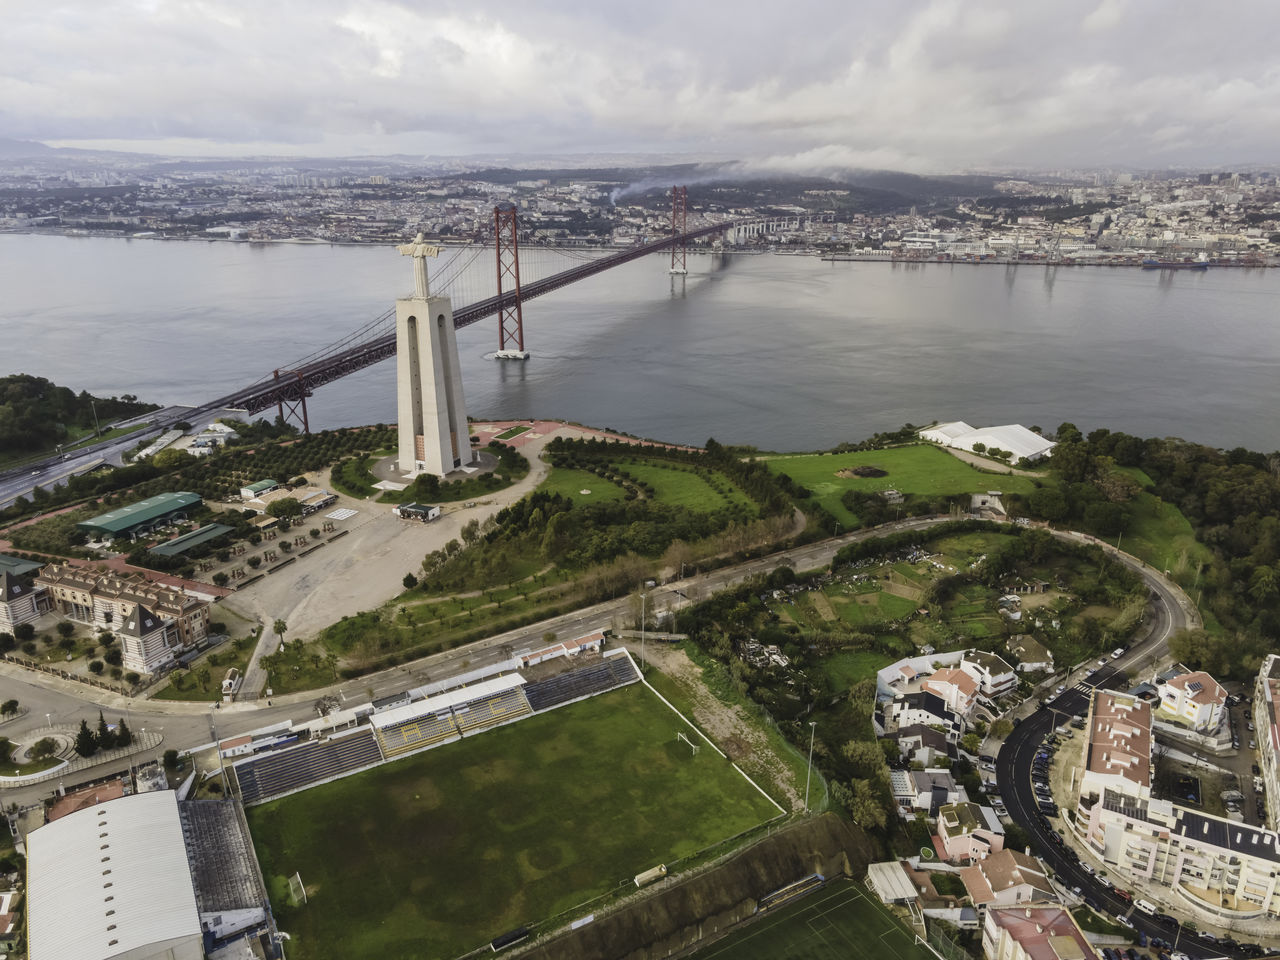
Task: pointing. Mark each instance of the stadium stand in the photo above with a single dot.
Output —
(417, 733)
(584, 682)
(273, 774)
(491, 711)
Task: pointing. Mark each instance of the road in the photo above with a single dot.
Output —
(1167, 613)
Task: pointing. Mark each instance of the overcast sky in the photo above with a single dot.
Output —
(803, 84)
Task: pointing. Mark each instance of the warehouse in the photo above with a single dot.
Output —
(143, 517)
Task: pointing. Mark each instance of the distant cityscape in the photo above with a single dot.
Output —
(1229, 217)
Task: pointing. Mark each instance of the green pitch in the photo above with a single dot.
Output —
(840, 921)
(434, 855)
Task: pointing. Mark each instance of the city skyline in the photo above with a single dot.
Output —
(928, 88)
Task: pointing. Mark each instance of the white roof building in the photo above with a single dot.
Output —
(112, 882)
(1014, 437)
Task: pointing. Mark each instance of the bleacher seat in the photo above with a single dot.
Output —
(417, 733)
(489, 712)
(282, 771)
(584, 682)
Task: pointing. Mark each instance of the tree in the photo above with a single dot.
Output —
(65, 629)
(220, 579)
(96, 667)
(864, 808)
(1048, 503)
(410, 581)
(979, 448)
(285, 507)
(204, 675)
(280, 628)
(25, 632)
(7, 641)
(124, 736)
(8, 708)
(44, 747)
(85, 745)
(471, 531)
(170, 759)
(172, 458)
(104, 738)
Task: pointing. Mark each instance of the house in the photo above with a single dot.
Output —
(1032, 655)
(923, 708)
(924, 791)
(994, 675)
(967, 831)
(1006, 878)
(956, 688)
(1039, 932)
(1191, 699)
(923, 745)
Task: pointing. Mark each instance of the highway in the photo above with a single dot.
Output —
(1167, 613)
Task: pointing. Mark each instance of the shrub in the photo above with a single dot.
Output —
(96, 667)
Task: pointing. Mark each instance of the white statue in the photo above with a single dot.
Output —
(419, 250)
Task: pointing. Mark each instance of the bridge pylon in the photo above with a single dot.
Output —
(292, 408)
(510, 316)
(679, 226)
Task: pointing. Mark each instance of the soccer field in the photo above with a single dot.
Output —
(840, 921)
(435, 854)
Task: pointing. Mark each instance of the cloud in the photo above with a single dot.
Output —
(932, 86)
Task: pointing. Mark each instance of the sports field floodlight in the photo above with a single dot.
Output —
(813, 724)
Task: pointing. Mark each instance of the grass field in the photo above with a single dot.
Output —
(434, 855)
(920, 469)
(840, 921)
(571, 482)
(684, 488)
(847, 667)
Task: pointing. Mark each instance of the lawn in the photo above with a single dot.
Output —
(847, 667)
(571, 482)
(920, 469)
(435, 854)
(839, 921)
(512, 433)
(218, 663)
(1160, 535)
(685, 488)
(882, 606)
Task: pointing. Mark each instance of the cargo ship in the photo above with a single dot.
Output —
(1152, 264)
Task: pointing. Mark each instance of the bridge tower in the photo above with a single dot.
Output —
(292, 409)
(510, 317)
(679, 226)
(433, 433)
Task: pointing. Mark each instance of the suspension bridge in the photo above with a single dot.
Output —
(287, 388)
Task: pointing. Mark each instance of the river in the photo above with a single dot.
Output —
(783, 352)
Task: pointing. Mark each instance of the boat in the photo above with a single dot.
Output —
(1154, 264)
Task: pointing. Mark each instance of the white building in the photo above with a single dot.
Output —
(1007, 878)
(1266, 718)
(1192, 699)
(112, 881)
(994, 675)
(1017, 439)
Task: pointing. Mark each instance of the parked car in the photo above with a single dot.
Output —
(1124, 895)
(1124, 921)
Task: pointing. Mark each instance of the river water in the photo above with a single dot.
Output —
(783, 352)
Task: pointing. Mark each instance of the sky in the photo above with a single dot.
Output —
(800, 85)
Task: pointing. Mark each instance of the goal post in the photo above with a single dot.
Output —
(692, 746)
(297, 892)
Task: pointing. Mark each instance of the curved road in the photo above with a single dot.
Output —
(1168, 612)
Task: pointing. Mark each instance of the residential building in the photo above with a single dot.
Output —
(1224, 869)
(923, 708)
(954, 687)
(1032, 655)
(21, 601)
(154, 623)
(924, 791)
(923, 745)
(1039, 932)
(994, 675)
(1266, 720)
(1007, 878)
(967, 831)
(1191, 699)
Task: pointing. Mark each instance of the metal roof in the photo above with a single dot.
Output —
(179, 545)
(123, 519)
(111, 879)
(420, 708)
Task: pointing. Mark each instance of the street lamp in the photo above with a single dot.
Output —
(97, 431)
(643, 597)
(48, 717)
(813, 724)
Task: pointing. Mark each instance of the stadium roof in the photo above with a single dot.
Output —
(452, 698)
(112, 880)
(125, 519)
(180, 545)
